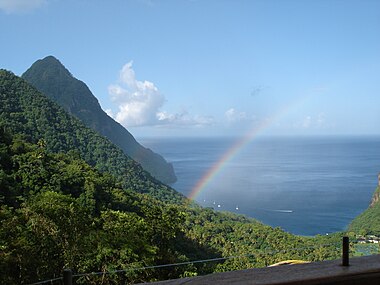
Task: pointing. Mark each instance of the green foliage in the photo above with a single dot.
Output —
(368, 222)
(58, 212)
(256, 244)
(25, 111)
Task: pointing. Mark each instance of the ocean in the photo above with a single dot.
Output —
(306, 186)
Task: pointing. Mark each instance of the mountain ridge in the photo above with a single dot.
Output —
(27, 112)
(53, 79)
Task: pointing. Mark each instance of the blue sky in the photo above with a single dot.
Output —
(189, 67)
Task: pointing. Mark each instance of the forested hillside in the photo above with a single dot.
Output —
(50, 77)
(71, 199)
(58, 212)
(368, 222)
(24, 110)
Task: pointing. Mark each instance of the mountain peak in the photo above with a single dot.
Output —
(51, 66)
(51, 59)
(52, 78)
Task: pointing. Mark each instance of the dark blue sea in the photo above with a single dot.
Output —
(306, 186)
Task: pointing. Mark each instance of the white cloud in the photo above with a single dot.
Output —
(140, 104)
(20, 6)
(234, 116)
(313, 122)
(139, 101)
(183, 119)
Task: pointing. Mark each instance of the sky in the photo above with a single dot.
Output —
(211, 68)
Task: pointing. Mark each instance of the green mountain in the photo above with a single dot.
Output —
(69, 198)
(50, 77)
(24, 110)
(368, 222)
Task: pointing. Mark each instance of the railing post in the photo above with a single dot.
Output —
(67, 277)
(345, 251)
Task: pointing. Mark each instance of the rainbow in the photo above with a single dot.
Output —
(238, 146)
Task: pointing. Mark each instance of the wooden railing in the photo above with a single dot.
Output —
(361, 271)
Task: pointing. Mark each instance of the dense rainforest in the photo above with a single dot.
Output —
(71, 199)
(57, 211)
(51, 78)
(24, 110)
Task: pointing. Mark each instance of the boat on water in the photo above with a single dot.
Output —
(283, 211)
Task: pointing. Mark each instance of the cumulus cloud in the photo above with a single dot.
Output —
(140, 103)
(20, 6)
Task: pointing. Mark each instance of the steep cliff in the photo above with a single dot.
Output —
(50, 77)
(376, 195)
(368, 222)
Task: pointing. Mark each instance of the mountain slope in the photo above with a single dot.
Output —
(50, 77)
(368, 222)
(24, 110)
(56, 211)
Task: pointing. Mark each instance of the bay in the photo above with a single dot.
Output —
(307, 186)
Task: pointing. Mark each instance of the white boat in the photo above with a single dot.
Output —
(283, 211)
